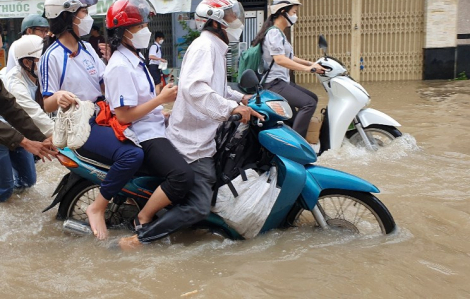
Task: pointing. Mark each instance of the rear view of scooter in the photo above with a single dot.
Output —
(347, 114)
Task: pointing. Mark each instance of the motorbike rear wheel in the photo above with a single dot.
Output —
(80, 196)
(349, 211)
(378, 134)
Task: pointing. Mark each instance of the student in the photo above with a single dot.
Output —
(203, 102)
(131, 95)
(19, 138)
(71, 68)
(155, 58)
(276, 47)
(31, 25)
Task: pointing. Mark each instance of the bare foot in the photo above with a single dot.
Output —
(97, 223)
(130, 243)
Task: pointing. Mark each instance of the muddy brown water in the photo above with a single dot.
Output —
(424, 179)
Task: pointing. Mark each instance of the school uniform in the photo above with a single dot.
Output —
(128, 83)
(81, 73)
(155, 50)
(278, 81)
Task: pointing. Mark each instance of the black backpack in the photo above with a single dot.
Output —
(238, 149)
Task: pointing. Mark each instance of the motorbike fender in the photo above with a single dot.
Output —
(321, 178)
(68, 181)
(371, 116)
(285, 142)
(346, 99)
(291, 178)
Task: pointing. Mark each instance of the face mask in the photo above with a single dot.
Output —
(36, 72)
(160, 42)
(293, 18)
(235, 24)
(140, 39)
(234, 34)
(85, 25)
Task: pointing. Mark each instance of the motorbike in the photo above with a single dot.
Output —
(347, 114)
(310, 195)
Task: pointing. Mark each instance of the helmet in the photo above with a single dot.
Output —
(28, 46)
(124, 13)
(278, 4)
(224, 12)
(53, 8)
(33, 21)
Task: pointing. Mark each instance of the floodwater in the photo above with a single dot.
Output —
(424, 178)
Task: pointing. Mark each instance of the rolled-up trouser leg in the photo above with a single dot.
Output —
(196, 208)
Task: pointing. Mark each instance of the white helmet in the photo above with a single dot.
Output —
(229, 13)
(53, 8)
(28, 46)
(278, 4)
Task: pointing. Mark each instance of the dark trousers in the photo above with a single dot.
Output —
(195, 208)
(156, 74)
(126, 158)
(298, 97)
(163, 160)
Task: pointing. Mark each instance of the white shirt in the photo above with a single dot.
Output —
(128, 83)
(204, 100)
(80, 73)
(12, 62)
(276, 43)
(155, 50)
(24, 90)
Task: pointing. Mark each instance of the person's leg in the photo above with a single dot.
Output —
(127, 159)
(6, 174)
(155, 72)
(196, 207)
(301, 98)
(163, 160)
(24, 168)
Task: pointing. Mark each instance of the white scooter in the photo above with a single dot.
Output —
(347, 114)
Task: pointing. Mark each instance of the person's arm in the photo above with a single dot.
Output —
(22, 124)
(23, 97)
(127, 114)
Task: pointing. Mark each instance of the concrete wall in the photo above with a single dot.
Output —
(441, 23)
(463, 23)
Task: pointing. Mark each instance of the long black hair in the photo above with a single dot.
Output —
(58, 25)
(216, 30)
(259, 39)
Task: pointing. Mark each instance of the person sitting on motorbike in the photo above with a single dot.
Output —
(203, 102)
(70, 68)
(130, 92)
(20, 139)
(276, 47)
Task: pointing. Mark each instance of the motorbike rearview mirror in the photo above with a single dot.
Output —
(249, 80)
(322, 44)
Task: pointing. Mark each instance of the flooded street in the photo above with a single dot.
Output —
(424, 178)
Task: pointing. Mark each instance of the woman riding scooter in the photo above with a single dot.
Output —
(71, 68)
(279, 53)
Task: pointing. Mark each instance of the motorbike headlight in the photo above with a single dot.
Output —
(281, 108)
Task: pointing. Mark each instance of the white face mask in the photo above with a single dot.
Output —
(85, 25)
(160, 42)
(36, 71)
(140, 39)
(234, 34)
(293, 19)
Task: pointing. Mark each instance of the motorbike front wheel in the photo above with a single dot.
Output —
(348, 211)
(379, 135)
(80, 196)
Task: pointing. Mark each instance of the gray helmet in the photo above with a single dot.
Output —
(33, 21)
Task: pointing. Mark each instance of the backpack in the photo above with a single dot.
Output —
(238, 149)
(252, 58)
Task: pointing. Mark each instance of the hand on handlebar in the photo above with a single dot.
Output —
(318, 69)
(246, 113)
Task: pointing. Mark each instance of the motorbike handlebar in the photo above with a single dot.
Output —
(235, 117)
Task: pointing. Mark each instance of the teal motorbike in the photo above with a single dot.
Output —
(310, 195)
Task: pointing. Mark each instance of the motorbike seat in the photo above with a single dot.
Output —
(104, 163)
